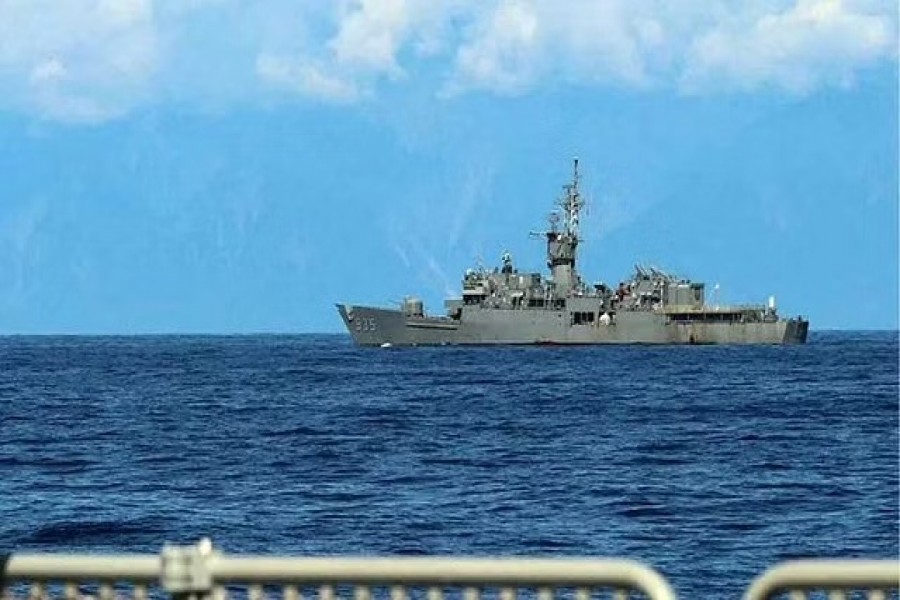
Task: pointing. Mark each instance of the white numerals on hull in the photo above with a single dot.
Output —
(365, 324)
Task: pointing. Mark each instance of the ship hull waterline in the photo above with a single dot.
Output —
(374, 326)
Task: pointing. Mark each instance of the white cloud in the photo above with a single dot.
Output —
(700, 46)
(367, 43)
(812, 43)
(305, 78)
(370, 36)
(521, 43)
(504, 51)
(88, 60)
(77, 60)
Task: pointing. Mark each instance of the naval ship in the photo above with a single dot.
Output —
(506, 306)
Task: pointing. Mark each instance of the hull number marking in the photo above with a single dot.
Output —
(365, 324)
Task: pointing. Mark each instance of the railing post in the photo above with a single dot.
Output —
(185, 570)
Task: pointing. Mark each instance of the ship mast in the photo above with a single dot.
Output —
(562, 245)
(572, 203)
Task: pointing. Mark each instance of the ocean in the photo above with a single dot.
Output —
(709, 463)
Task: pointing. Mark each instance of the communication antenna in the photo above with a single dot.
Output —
(572, 203)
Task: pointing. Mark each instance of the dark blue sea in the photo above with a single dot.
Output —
(710, 463)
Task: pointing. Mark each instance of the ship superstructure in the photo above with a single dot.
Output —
(505, 306)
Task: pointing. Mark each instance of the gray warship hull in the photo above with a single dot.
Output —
(373, 326)
(506, 306)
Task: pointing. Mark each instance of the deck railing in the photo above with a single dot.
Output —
(201, 572)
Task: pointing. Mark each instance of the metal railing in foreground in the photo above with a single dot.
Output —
(201, 572)
(836, 577)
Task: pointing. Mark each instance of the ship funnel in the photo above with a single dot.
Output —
(772, 303)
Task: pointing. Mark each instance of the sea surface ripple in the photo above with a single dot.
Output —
(710, 463)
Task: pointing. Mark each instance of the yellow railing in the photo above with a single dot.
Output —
(202, 572)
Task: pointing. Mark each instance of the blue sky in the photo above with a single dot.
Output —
(224, 166)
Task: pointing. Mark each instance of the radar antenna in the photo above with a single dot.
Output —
(572, 203)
